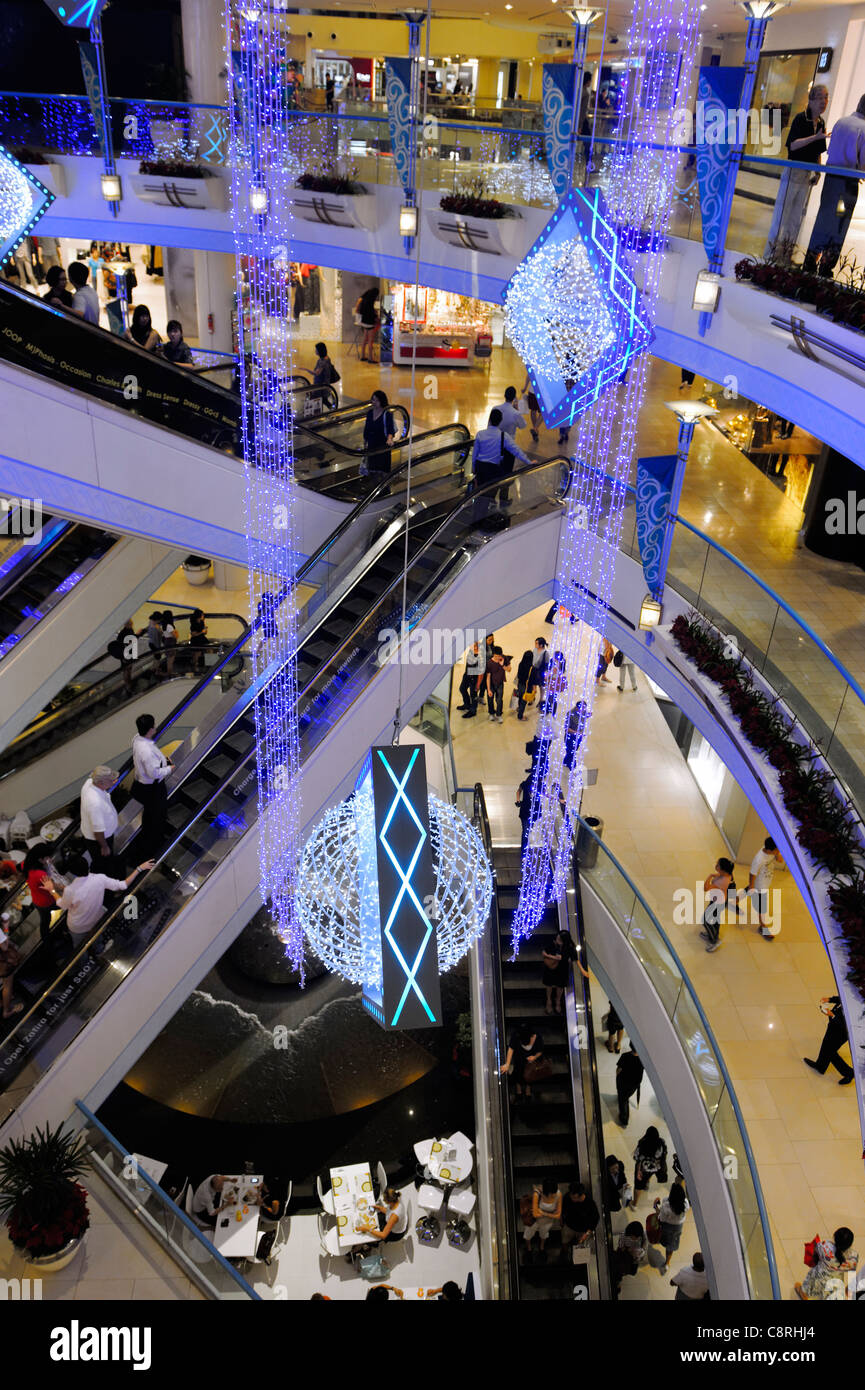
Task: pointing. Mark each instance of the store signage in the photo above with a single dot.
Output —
(88, 359)
(397, 887)
(362, 71)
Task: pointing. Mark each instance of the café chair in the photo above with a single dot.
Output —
(326, 1198)
(328, 1237)
(461, 1201)
(430, 1198)
(380, 1178)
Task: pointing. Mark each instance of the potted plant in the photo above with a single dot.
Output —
(326, 193)
(471, 219)
(178, 183)
(841, 298)
(45, 1209)
(196, 568)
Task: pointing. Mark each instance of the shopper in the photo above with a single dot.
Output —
(832, 1260)
(629, 1077)
(156, 641)
(760, 881)
(151, 769)
(524, 671)
(141, 330)
(84, 897)
(198, 637)
(493, 456)
(618, 1190)
(512, 419)
(379, 433)
(471, 682)
(716, 887)
(580, 1216)
(687, 379)
(124, 648)
(615, 1030)
(528, 809)
(833, 1040)
(369, 322)
(494, 686)
(329, 91)
(57, 294)
(176, 349)
(10, 959)
(625, 667)
(555, 683)
(324, 373)
(691, 1282)
(605, 656)
(524, 1046)
(43, 894)
(540, 665)
(534, 408)
(838, 195)
(650, 1159)
(169, 641)
(634, 1243)
(99, 818)
(85, 300)
(557, 956)
(546, 1211)
(672, 1211)
(806, 143)
(575, 731)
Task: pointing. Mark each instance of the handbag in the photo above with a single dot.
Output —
(653, 1228)
(526, 1209)
(334, 375)
(374, 1266)
(538, 1070)
(619, 659)
(531, 695)
(811, 1252)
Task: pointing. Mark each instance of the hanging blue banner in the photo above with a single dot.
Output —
(558, 105)
(398, 97)
(654, 489)
(90, 69)
(718, 93)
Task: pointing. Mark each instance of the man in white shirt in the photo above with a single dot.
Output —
(99, 817)
(760, 881)
(84, 898)
(151, 769)
(512, 420)
(85, 301)
(838, 195)
(207, 1201)
(691, 1282)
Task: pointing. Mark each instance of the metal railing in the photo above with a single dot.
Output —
(680, 1001)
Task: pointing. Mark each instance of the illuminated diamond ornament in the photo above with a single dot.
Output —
(77, 14)
(23, 200)
(573, 310)
(359, 875)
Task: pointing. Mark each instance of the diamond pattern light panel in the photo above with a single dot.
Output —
(573, 310)
(23, 200)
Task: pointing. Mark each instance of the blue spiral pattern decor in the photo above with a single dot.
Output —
(398, 97)
(654, 487)
(719, 90)
(558, 100)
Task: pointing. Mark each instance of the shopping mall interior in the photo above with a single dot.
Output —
(366, 394)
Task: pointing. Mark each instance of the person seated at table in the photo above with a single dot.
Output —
(448, 1293)
(269, 1203)
(380, 1293)
(393, 1217)
(207, 1202)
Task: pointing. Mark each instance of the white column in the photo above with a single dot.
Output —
(204, 50)
(214, 290)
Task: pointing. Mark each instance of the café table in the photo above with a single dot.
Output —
(353, 1203)
(236, 1233)
(445, 1161)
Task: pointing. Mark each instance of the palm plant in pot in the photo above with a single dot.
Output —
(44, 1207)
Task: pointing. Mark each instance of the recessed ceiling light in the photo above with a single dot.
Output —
(509, 7)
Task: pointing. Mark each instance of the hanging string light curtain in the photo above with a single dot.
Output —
(661, 46)
(264, 168)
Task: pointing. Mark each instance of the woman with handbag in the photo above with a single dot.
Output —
(523, 695)
(557, 956)
(525, 1059)
(671, 1211)
(546, 1211)
(650, 1157)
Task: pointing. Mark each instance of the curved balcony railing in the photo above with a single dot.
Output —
(647, 939)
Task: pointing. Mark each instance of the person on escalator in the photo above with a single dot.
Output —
(85, 301)
(141, 330)
(43, 894)
(151, 769)
(10, 959)
(493, 456)
(99, 818)
(176, 349)
(379, 433)
(57, 295)
(84, 897)
(324, 373)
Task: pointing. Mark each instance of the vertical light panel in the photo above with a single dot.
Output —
(655, 84)
(263, 173)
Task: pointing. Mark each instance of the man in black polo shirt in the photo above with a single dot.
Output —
(806, 142)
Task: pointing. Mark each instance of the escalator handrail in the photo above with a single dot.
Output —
(513, 1259)
(16, 576)
(233, 771)
(332, 471)
(305, 569)
(337, 417)
(716, 1050)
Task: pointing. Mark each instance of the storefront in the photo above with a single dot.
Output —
(437, 329)
(784, 453)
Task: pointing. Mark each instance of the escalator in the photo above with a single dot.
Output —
(35, 578)
(557, 1133)
(212, 808)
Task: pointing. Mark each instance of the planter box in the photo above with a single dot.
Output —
(181, 191)
(356, 210)
(492, 236)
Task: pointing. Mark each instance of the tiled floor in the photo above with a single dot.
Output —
(119, 1261)
(761, 998)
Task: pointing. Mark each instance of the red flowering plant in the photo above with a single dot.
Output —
(826, 828)
(44, 1206)
(841, 298)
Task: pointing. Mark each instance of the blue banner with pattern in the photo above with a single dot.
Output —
(90, 70)
(558, 104)
(718, 93)
(654, 489)
(398, 96)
